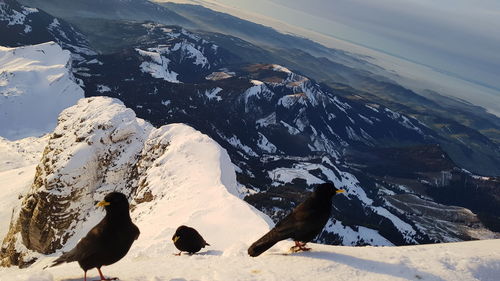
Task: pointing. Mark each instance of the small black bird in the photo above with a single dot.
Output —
(187, 239)
(302, 224)
(108, 241)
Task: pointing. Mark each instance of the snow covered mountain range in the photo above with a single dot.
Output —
(283, 131)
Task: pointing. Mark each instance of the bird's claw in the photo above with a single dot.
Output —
(299, 247)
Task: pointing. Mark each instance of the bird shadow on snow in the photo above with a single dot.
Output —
(397, 270)
(96, 278)
(210, 253)
(89, 278)
(205, 253)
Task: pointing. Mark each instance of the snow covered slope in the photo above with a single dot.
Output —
(36, 84)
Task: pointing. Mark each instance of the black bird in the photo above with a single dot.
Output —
(302, 224)
(108, 241)
(187, 239)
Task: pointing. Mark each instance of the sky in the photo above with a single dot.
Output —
(458, 38)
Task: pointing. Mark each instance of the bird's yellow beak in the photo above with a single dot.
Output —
(340, 191)
(103, 203)
(176, 238)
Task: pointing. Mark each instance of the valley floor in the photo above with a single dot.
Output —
(477, 260)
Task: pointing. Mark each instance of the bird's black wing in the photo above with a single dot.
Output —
(85, 248)
(284, 229)
(302, 214)
(199, 239)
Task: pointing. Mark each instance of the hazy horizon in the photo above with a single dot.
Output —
(455, 38)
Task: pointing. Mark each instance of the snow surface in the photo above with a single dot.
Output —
(36, 84)
(464, 261)
(21, 153)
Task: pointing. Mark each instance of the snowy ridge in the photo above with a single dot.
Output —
(35, 79)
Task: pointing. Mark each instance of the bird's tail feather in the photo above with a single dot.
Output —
(265, 242)
(57, 262)
(65, 257)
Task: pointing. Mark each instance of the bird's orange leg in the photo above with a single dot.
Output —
(85, 275)
(178, 254)
(102, 276)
